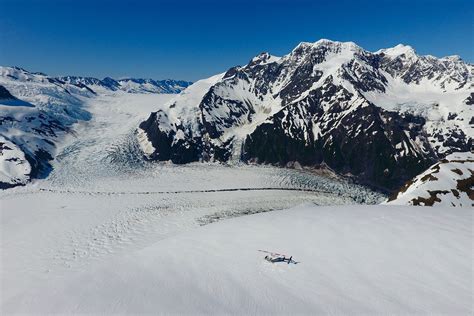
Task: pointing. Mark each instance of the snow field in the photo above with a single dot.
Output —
(353, 260)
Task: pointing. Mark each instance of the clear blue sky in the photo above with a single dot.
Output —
(195, 39)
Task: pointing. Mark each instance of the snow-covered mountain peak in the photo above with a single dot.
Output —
(264, 58)
(17, 73)
(315, 103)
(326, 47)
(454, 58)
(330, 43)
(326, 58)
(408, 54)
(398, 50)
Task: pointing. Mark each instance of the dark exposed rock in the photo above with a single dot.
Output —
(470, 99)
(160, 140)
(39, 162)
(5, 94)
(370, 154)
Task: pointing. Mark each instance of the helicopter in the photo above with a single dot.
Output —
(274, 257)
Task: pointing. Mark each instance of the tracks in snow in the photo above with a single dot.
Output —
(185, 191)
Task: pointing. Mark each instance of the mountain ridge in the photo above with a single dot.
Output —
(449, 182)
(131, 85)
(325, 102)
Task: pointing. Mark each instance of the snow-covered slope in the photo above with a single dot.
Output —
(101, 201)
(174, 124)
(38, 111)
(14, 168)
(383, 117)
(351, 260)
(449, 182)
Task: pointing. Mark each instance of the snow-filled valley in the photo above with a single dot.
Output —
(104, 231)
(244, 158)
(107, 232)
(101, 202)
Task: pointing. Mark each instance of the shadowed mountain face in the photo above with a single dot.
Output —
(5, 94)
(382, 117)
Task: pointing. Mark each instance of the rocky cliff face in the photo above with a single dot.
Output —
(382, 116)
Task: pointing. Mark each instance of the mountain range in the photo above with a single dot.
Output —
(130, 85)
(37, 111)
(380, 117)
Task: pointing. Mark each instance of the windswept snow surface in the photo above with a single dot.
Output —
(359, 260)
(102, 201)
